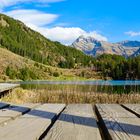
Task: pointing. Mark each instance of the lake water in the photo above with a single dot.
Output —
(97, 86)
(92, 82)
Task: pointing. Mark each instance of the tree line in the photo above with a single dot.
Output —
(118, 67)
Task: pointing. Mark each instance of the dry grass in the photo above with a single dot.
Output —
(35, 96)
(43, 71)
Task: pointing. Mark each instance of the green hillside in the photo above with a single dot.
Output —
(15, 67)
(31, 46)
(20, 39)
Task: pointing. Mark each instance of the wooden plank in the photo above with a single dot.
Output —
(31, 125)
(7, 86)
(46, 110)
(134, 108)
(118, 123)
(3, 105)
(14, 111)
(77, 122)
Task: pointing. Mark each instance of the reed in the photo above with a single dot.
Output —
(67, 96)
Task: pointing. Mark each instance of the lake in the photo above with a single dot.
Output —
(97, 86)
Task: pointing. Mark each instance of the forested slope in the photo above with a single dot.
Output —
(30, 45)
(20, 39)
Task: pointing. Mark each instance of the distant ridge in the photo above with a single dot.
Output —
(128, 43)
(137, 53)
(94, 47)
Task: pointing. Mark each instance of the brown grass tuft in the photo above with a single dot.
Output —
(20, 95)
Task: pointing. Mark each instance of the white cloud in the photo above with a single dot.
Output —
(132, 33)
(32, 17)
(66, 35)
(96, 35)
(6, 3)
(49, 1)
(37, 20)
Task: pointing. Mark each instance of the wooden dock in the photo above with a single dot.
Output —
(7, 86)
(69, 122)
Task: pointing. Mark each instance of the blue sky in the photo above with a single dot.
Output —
(65, 20)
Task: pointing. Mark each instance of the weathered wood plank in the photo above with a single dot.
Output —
(119, 123)
(3, 105)
(135, 108)
(31, 125)
(77, 122)
(14, 111)
(7, 86)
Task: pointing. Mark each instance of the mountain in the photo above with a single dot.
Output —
(21, 40)
(128, 43)
(91, 46)
(26, 55)
(137, 53)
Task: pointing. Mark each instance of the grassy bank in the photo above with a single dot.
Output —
(15, 67)
(20, 95)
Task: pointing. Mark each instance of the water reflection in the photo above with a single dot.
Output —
(98, 86)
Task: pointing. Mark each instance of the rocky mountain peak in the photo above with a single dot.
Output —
(84, 43)
(128, 43)
(91, 46)
(137, 53)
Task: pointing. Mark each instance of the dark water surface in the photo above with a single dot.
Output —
(97, 86)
